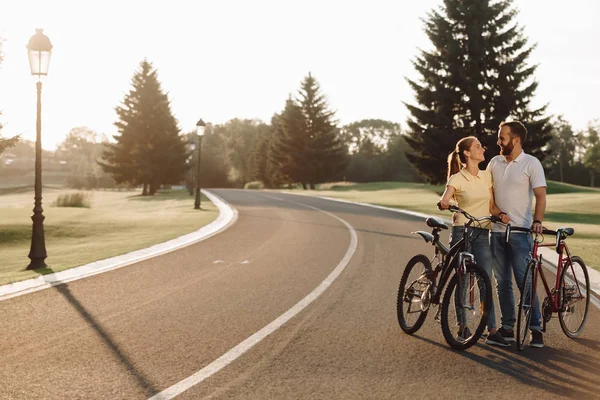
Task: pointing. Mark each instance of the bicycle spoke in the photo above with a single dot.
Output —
(574, 297)
(413, 294)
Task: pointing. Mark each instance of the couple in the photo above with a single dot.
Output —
(505, 189)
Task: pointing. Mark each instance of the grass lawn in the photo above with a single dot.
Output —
(116, 223)
(567, 205)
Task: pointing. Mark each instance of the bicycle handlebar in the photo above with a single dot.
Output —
(510, 228)
(529, 230)
(498, 220)
(457, 209)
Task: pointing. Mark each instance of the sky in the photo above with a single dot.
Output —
(219, 60)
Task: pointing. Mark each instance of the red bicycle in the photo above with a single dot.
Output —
(570, 296)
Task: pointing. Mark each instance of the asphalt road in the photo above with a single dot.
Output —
(135, 332)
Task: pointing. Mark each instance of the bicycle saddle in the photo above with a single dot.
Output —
(434, 222)
(565, 231)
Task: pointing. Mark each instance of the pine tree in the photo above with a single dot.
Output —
(289, 150)
(475, 77)
(149, 150)
(276, 154)
(326, 156)
(307, 146)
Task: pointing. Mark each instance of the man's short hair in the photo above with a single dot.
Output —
(516, 129)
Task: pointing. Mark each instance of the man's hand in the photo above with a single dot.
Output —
(505, 218)
(537, 227)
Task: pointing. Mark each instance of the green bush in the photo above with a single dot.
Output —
(78, 199)
(254, 185)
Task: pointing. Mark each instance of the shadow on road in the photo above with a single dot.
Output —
(142, 380)
(556, 371)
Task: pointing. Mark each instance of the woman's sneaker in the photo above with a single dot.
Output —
(464, 334)
(537, 339)
(507, 334)
(496, 339)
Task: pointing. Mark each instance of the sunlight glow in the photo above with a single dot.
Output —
(222, 60)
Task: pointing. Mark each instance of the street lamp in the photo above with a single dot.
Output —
(200, 125)
(39, 49)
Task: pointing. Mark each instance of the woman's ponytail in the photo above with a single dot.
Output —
(453, 163)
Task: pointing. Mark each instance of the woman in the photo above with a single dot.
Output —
(471, 189)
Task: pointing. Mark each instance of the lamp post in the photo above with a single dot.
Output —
(39, 49)
(200, 125)
(190, 183)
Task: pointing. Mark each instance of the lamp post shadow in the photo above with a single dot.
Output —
(142, 380)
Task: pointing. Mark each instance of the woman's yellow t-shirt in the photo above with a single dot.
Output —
(472, 193)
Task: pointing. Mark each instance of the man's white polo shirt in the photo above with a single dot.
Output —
(513, 187)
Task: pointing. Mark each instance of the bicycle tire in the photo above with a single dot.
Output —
(585, 289)
(526, 304)
(482, 281)
(407, 326)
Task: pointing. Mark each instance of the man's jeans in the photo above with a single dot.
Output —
(511, 258)
(480, 248)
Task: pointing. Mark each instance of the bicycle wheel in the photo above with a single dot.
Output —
(574, 292)
(413, 294)
(466, 307)
(526, 304)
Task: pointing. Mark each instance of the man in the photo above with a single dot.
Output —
(518, 178)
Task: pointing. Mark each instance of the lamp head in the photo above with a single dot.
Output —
(200, 126)
(39, 49)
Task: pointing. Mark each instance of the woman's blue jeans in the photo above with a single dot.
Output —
(480, 247)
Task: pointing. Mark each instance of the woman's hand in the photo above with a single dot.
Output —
(444, 203)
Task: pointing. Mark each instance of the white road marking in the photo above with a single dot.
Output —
(245, 262)
(247, 344)
(227, 217)
(218, 261)
(551, 265)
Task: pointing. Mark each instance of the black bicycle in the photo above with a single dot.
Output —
(468, 298)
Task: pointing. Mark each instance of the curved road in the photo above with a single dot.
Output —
(141, 331)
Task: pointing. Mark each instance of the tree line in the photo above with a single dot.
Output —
(474, 76)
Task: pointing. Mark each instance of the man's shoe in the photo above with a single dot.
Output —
(507, 334)
(537, 339)
(496, 339)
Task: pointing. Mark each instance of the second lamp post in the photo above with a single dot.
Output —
(200, 125)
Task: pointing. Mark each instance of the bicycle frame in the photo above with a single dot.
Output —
(448, 258)
(563, 262)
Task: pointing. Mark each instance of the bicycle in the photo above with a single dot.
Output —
(570, 296)
(470, 287)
